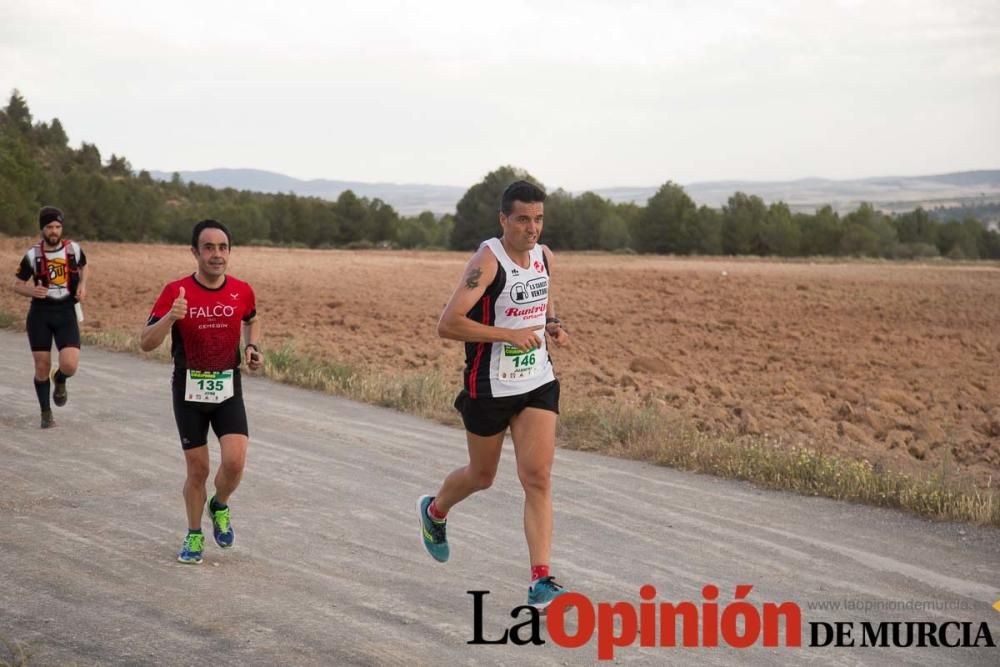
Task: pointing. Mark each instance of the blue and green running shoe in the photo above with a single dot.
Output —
(543, 591)
(222, 528)
(194, 544)
(432, 531)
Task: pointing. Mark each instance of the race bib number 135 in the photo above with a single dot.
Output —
(208, 386)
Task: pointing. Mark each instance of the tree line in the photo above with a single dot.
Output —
(672, 223)
(107, 200)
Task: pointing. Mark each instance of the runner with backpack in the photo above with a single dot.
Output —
(53, 274)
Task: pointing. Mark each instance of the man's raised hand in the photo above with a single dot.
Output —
(179, 308)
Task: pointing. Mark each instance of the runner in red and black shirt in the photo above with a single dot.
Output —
(205, 314)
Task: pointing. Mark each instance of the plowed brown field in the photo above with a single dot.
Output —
(897, 363)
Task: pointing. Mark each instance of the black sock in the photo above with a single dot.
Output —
(216, 506)
(42, 389)
(59, 377)
(195, 531)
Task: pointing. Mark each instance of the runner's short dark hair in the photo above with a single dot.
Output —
(209, 224)
(523, 191)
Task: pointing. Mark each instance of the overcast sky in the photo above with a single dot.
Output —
(582, 93)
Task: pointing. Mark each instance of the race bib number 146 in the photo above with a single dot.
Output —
(517, 364)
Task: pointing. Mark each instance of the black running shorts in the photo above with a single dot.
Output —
(48, 321)
(489, 416)
(193, 419)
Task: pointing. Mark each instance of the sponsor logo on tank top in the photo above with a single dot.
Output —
(526, 312)
(533, 290)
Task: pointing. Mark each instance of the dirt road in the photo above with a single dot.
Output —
(328, 569)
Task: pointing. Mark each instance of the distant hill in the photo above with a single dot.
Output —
(890, 193)
(407, 198)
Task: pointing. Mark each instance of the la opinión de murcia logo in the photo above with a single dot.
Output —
(738, 623)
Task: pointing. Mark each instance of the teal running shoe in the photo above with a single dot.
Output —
(432, 531)
(543, 591)
(222, 528)
(190, 553)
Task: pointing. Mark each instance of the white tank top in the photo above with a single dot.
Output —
(518, 298)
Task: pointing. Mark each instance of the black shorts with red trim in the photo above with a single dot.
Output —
(193, 418)
(48, 321)
(489, 416)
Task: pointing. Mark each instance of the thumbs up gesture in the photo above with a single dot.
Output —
(179, 308)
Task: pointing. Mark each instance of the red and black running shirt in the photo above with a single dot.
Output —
(208, 338)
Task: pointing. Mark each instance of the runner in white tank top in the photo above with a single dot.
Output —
(518, 298)
(503, 312)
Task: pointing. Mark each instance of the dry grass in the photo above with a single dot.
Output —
(13, 653)
(645, 433)
(425, 394)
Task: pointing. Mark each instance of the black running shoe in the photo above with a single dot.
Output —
(59, 394)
